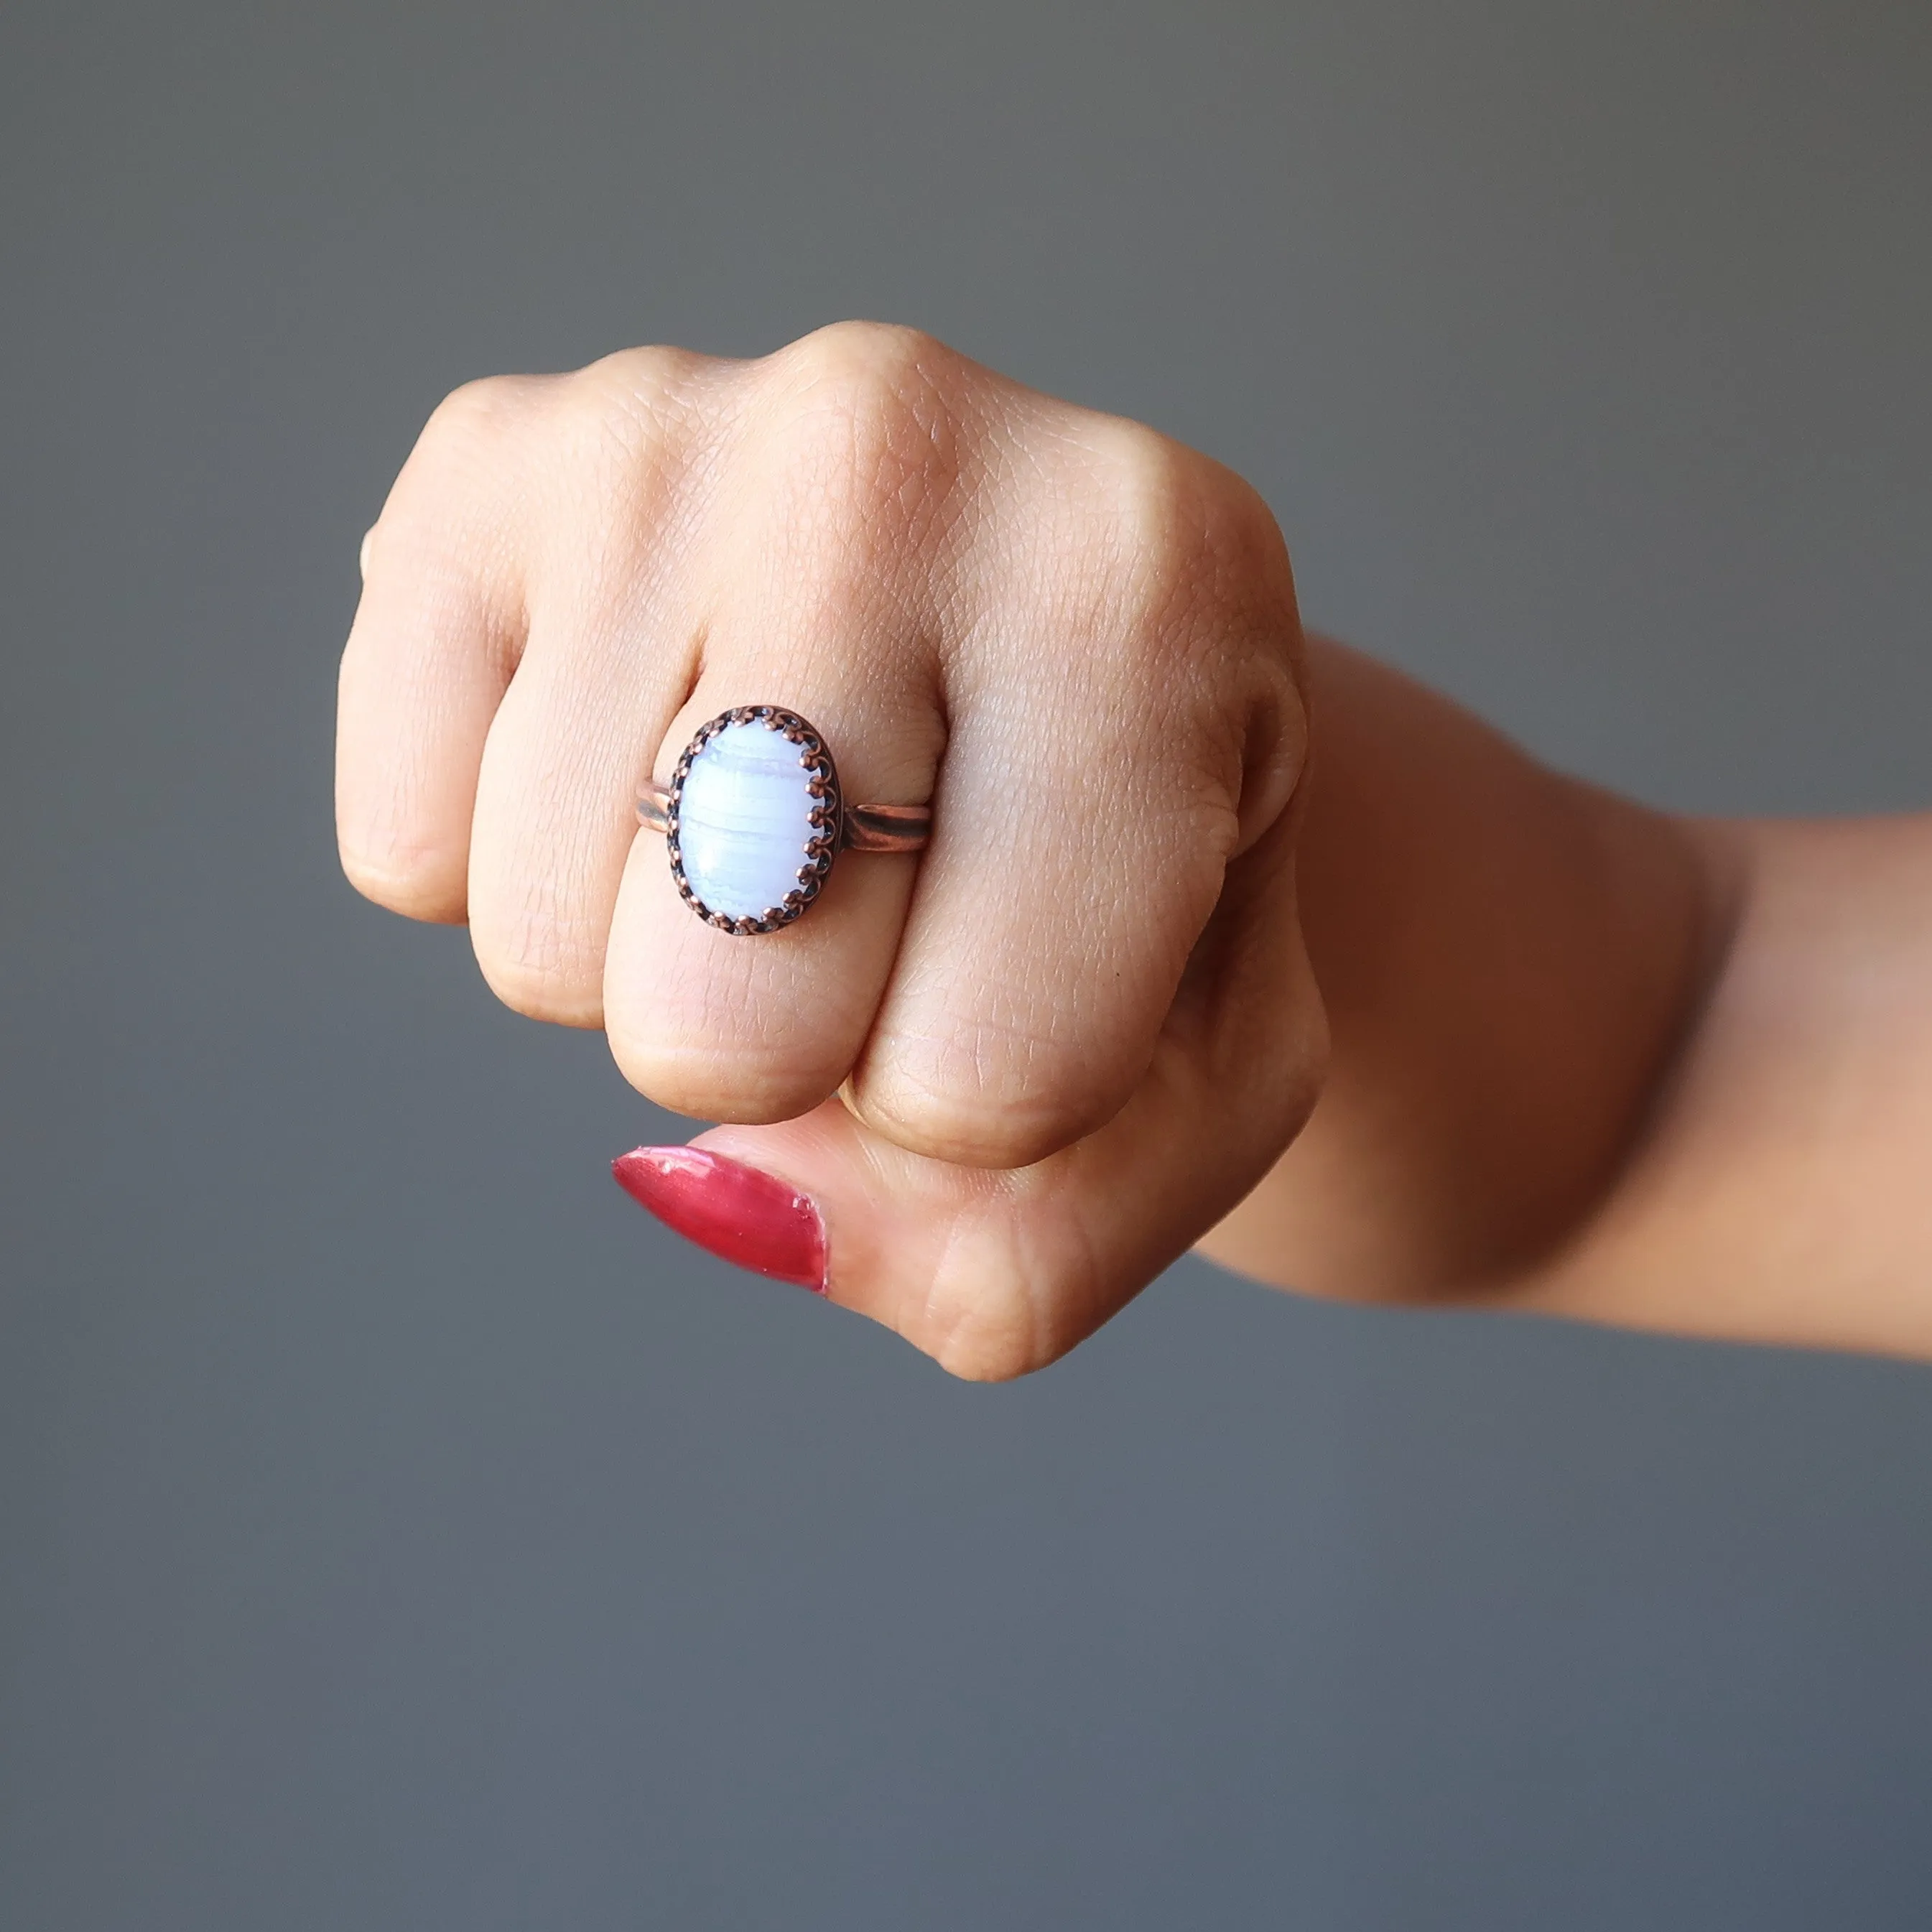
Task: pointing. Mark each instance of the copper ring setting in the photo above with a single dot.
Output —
(753, 818)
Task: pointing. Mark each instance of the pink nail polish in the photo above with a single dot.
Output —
(737, 1212)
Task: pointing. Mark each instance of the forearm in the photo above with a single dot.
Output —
(1782, 1191)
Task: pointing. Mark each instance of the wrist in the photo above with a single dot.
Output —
(1509, 958)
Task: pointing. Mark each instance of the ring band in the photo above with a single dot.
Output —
(753, 817)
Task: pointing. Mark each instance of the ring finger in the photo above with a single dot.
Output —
(726, 1025)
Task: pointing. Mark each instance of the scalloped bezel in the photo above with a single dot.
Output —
(828, 813)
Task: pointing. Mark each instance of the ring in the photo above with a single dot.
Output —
(753, 818)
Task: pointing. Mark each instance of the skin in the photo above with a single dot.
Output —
(1227, 937)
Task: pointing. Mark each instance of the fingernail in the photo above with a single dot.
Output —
(738, 1212)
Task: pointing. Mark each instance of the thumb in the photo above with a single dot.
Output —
(994, 1273)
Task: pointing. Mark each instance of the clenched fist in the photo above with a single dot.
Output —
(1017, 1073)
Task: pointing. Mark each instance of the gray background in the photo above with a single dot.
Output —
(399, 1530)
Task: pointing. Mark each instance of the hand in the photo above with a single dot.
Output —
(1018, 1075)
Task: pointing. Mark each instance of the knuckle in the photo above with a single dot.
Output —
(539, 994)
(636, 401)
(1182, 533)
(1241, 528)
(485, 413)
(704, 1062)
(725, 1031)
(984, 1324)
(871, 362)
(1189, 586)
(1004, 1302)
(537, 963)
(1154, 505)
(1129, 513)
(1005, 1101)
(463, 473)
(619, 440)
(863, 415)
(652, 370)
(965, 1136)
(423, 886)
(711, 1083)
(1144, 480)
(603, 435)
(994, 1344)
